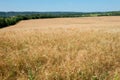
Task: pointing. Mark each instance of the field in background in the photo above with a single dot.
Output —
(61, 49)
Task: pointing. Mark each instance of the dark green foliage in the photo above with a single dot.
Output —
(7, 21)
(2, 22)
(11, 18)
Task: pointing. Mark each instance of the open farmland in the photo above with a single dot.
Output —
(85, 48)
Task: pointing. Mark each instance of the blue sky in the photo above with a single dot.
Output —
(60, 5)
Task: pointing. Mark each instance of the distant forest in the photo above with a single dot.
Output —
(11, 18)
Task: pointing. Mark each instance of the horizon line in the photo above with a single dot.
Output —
(64, 11)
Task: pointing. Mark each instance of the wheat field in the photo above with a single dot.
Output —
(85, 48)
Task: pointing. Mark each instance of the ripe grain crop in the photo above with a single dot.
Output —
(61, 49)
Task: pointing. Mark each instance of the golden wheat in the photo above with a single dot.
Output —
(61, 49)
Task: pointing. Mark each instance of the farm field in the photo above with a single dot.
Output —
(85, 48)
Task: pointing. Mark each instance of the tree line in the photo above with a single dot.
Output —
(7, 21)
(11, 20)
